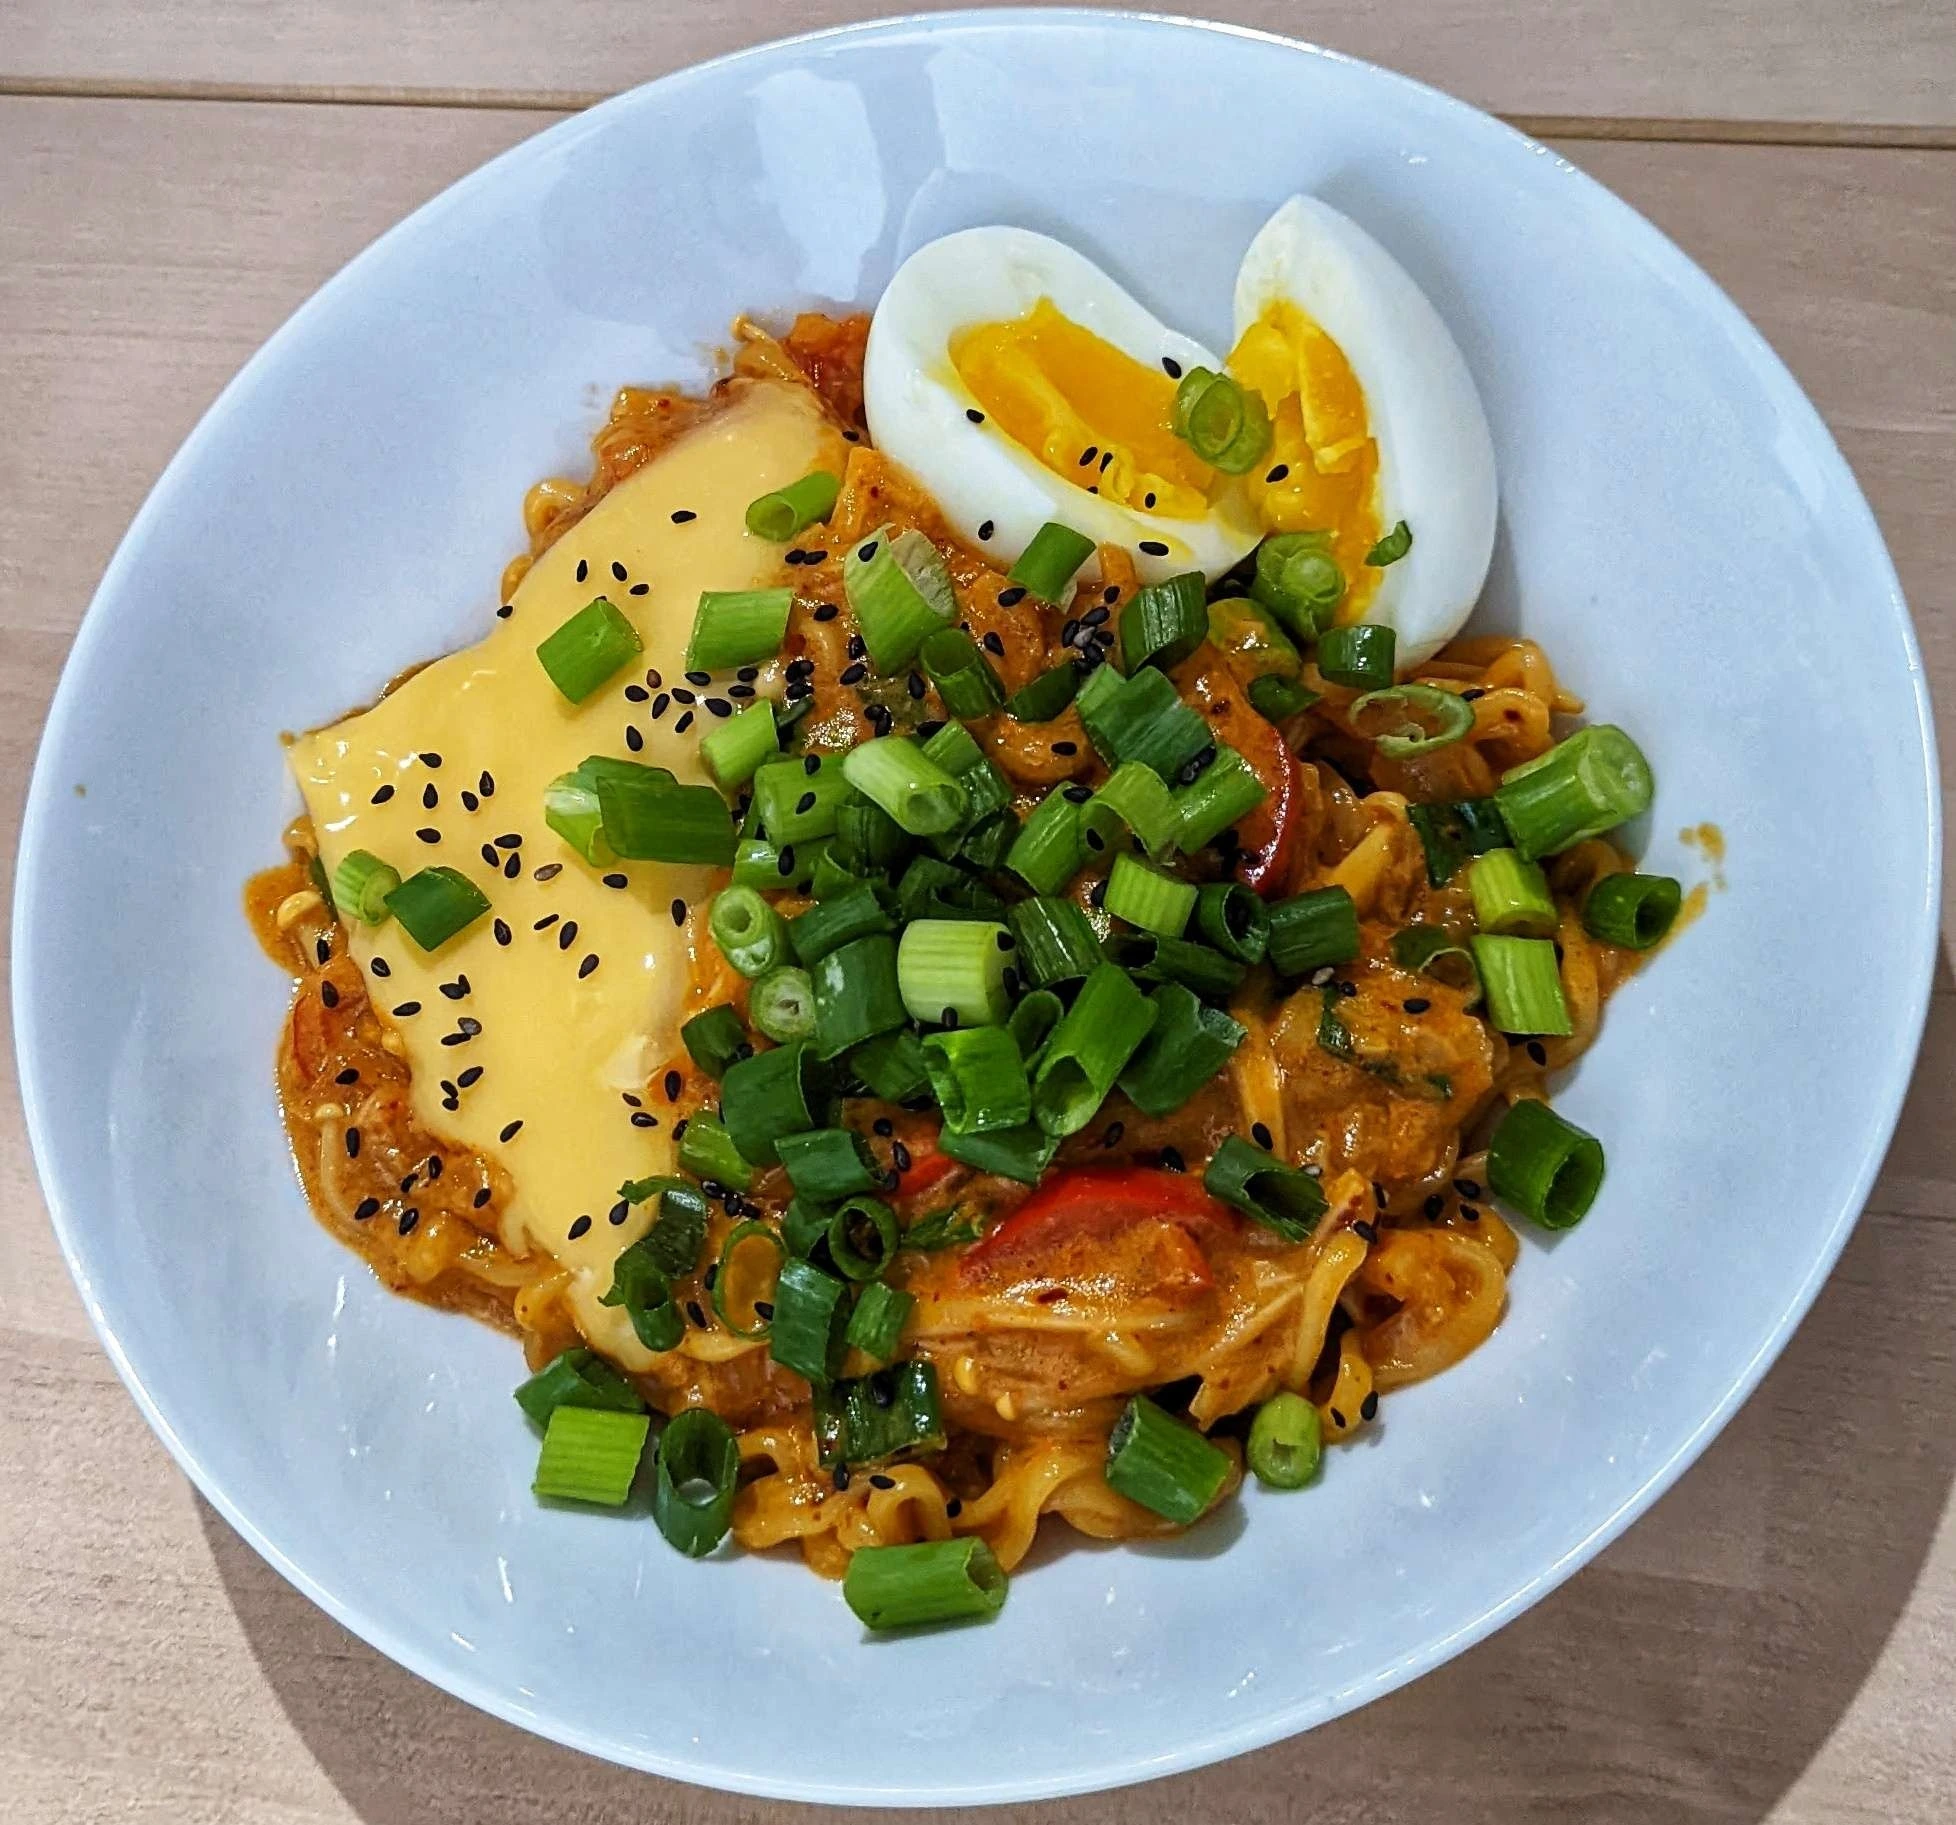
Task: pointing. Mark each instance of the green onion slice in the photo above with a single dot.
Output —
(1164, 622)
(1361, 656)
(1432, 950)
(1056, 940)
(1511, 896)
(1581, 788)
(1032, 1021)
(799, 800)
(698, 1474)
(811, 1314)
(1148, 898)
(1188, 1045)
(737, 747)
(871, 1419)
(1051, 847)
(640, 1283)
(1545, 1167)
(964, 677)
(777, 517)
(892, 1065)
(898, 1587)
(706, 1150)
(828, 1164)
(745, 1307)
(1286, 1443)
(858, 994)
(1158, 959)
(893, 772)
(715, 1040)
(589, 648)
(1299, 581)
(1281, 1197)
(1279, 699)
(648, 817)
(436, 904)
(1089, 1049)
(1391, 548)
(867, 838)
(1523, 984)
(900, 590)
(1134, 800)
(1450, 833)
(1633, 910)
(1169, 1468)
(859, 910)
(590, 1454)
(577, 1378)
(1049, 560)
(1042, 698)
(1224, 422)
(781, 1004)
(1451, 718)
(1231, 917)
(1013, 1153)
(979, 1079)
(738, 627)
(752, 936)
(952, 972)
(876, 1325)
(1223, 793)
(673, 1243)
(863, 1237)
(766, 1096)
(1310, 930)
(361, 884)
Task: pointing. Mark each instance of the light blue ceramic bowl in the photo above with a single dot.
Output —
(1677, 526)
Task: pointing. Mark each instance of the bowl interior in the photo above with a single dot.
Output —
(1677, 528)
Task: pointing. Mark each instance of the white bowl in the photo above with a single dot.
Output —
(1677, 526)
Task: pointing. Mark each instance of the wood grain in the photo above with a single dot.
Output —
(1806, 63)
(1776, 1642)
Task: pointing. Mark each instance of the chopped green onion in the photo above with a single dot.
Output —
(1158, 959)
(900, 1587)
(1032, 1021)
(1248, 634)
(1286, 1442)
(672, 1244)
(788, 868)
(650, 818)
(590, 1454)
(876, 1325)
(1511, 895)
(316, 874)
(934, 889)
(1148, 898)
(863, 1237)
(1050, 848)
(1190, 1043)
(434, 904)
(811, 1314)
(900, 589)
(1310, 930)
(1224, 422)
(1231, 917)
(828, 1164)
(1223, 793)
(896, 774)
(987, 843)
(1143, 718)
(1089, 1049)
(831, 877)
(952, 972)
(738, 627)
(1282, 1198)
(857, 994)
(781, 1004)
(1523, 985)
(1164, 622)
(1434, 951)
(1042, 698)
(640, 1283)
(1279, 699)
(589, 648)
(979, 1079)
(1633, 910)
(964, 677)
(361, 884)
(986, 790)
(1013, 1153)
(804, 1228)
(698, 1474)
(892, 1065)
(777, 517)
(706, 1150)
(949, 1227)
(715, 1040)
(571, 809)
(1581, 788)
(1450, 833)
(873, 1418)
(577, 1378)
(1298, 580)
(1056, 940)
(867, 838)
(752, 936)
(1545, 1167)
(1049, 560)
(766, 1096)
(1169, 1468)
(1452, 718)
(737, 747)
(798, 801)
(1391, 548)
(1134, 799)
(1361, 656)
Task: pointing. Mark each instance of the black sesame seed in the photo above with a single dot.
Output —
(1538, 1052)
(1337, 1419)
(805, 803)
(682, 695)
(1066, 749)
(695, 1313)
(481, 1197)
(1417, 1004)
(367, 1207)
(1469, 1212)
(993, 644)
(546, 922)
(510, 1130)
(866, 552)
(634, 739)
(504, 612)
(583, 569)
(1278, 473)
(1076, 794)
(469, 800)
(1112, 1136)
(1468, 1188)
(618, 570)
(841, 1478)
(329, 995)
(567, 934)
(581, 1227)
(430, 796)
(900, 1156)
(408, 1184)
(1095, 841)
(641, 589)
(916, 686)
(854, 674)
(883, 1126)
(1171, 1157)
(637, 693)
(879, 1481)
(486, 785)
(678, 911)
(681, 515)
(1171, 367)
(1011, 598)
(825, 611)
(406, 1010)
(641, 1120)
(587, 966)
(1364, 1229)
(380, 967)
(697, 677)
(742, 691)
(719, 706)
(489, 855)
(471, 1077)
(1069, 633)
(1368, 1408)
(349, 1076)
(1154, 548)
(1378, 1194)
(1472, 696)
(1262, 1136)
(381, 795)
(352, 1138)
(323, 950)
(615, 880)
(683, 724)
(429, 759)
(660, 705)
(1148, 500)
(1434, 1208)
(673, 1084)
(548, 872)
(428, 834)
(786, 861)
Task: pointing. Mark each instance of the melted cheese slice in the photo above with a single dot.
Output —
(558, 1051)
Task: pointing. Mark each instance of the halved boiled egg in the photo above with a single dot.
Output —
(1374, 420)
(1019, 384)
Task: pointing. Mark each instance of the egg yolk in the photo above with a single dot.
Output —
(1090, 413)
(1323, 458)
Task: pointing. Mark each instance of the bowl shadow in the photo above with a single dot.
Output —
(1690, 1673)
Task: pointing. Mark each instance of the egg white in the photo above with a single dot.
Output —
(1436, 457)
(916, 402)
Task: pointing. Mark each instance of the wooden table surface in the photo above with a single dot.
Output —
(1776, 1641)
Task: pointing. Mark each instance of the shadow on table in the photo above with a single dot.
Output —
(1690, 1674)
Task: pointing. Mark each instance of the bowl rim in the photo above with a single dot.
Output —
(33, 1027)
